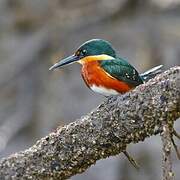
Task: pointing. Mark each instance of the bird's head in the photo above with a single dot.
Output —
(92, 50)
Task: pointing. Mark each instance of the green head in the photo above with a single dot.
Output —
(95, 49)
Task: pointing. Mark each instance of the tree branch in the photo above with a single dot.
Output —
(104, 132)
(166, 157)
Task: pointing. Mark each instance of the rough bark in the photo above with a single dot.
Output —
(167, 148)
(104, 132)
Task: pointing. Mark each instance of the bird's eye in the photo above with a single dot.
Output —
(81, 52)
(84, 52)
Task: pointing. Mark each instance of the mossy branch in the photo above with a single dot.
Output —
(104, 132)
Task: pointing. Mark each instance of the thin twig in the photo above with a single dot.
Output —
(176, 134)
(131, 160)
(176, 148)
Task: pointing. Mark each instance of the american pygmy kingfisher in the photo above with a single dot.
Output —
(104, 71)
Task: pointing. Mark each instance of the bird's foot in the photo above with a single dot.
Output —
(112, 98)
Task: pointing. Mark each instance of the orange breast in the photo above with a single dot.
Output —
(93, 74)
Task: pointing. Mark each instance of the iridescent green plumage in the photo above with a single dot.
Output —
(122, 70)
(97, 47)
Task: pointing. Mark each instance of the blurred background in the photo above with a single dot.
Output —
(33, 101)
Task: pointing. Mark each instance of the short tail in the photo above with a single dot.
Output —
(151, 73)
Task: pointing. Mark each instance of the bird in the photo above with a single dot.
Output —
(104, 71)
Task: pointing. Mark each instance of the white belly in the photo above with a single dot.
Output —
(103, 90)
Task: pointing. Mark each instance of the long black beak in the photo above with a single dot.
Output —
(65, 61)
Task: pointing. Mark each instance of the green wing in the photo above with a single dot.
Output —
(122, 70)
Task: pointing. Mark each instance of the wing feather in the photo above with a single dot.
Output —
(122, 70)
